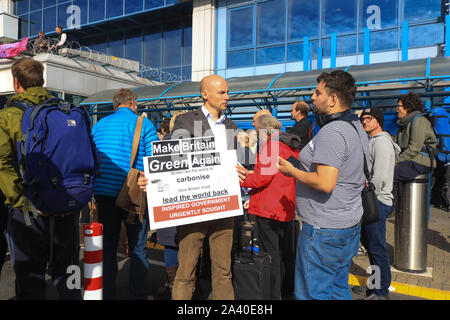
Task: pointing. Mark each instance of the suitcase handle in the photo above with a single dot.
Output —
(239, 250)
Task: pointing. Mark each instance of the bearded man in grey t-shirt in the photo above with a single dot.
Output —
(330, 179)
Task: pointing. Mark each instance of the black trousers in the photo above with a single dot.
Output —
(277, 238)
(405, 171)
(112, 217)
(440, 189)
(30, 252)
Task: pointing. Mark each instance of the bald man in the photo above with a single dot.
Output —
(209, 120)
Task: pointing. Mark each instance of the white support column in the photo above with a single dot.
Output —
(203, 38)
(9, 23)
(6, 6)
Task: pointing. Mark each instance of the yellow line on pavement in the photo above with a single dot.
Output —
(354, 280)
(407, 289)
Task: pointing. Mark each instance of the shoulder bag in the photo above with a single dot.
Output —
(131, 198)
(368, 196)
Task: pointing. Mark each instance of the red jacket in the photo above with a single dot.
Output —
(273, 194)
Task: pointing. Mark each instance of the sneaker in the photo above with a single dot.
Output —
(373, 296)
(164, 293)
(361, 251)
(360, 290)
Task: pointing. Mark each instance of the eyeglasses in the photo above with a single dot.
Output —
(366, 119)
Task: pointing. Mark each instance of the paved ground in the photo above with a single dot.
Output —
(438, 257)
(416, 286)
(155, 280)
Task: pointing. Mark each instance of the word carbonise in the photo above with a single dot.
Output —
(193, 178)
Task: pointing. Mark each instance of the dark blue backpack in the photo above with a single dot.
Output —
(440, 122)
(57, 157)
(58, 160)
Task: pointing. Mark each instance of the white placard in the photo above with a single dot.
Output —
(190, 181)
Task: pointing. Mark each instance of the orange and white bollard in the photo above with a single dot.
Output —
(93, 261)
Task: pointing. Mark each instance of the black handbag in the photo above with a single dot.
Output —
(369, 202)
(368, 196)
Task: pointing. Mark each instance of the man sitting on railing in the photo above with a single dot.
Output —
(40, 44)
(62, 38)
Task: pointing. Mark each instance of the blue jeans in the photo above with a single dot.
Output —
(373, 238)
(170, 256)
(112, 217)
(323, 261)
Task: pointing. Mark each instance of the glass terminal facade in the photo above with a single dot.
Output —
(251, 37)
(157, 33)
(262, 33)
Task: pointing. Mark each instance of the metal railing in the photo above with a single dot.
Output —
(104, 59)
(160, 75)
(36, 49)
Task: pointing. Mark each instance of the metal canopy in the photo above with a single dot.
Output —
(267, 91)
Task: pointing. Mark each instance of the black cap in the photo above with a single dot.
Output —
(376, 113)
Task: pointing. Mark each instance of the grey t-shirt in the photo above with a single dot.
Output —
(382, 162)
(338, 145)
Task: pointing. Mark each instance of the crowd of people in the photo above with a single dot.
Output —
(317, 177)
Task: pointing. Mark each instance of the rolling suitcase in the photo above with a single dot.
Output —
(251, 271)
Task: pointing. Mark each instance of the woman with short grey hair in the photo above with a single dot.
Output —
(272, 201)
(268, 123)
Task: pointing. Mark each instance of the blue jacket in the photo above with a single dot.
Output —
(113, 136)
